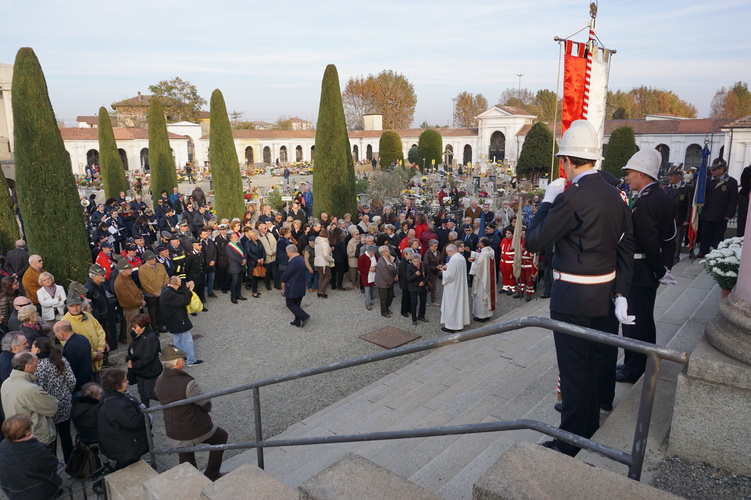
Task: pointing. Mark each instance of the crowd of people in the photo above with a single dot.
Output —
(152, 264)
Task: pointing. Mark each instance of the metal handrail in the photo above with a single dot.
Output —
(634, 460)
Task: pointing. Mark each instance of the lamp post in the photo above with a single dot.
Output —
(423, 164)
(519, 93)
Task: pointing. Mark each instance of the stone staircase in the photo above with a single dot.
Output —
(506, 377)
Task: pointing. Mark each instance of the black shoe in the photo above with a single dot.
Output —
(163, 329)
(386, 315)
(109, 364)
(424, 320)
(517, 295)
(559, 407)
(196, 362)
(406, 315)
(414, 322)
(552, 444)
(510, 292)
(277, 287)
(545, 296)
(302, 323)
(448, 330)
(268, 288)
(605, 407)
(194, 314)
(619, 367)
(234, 301)
(242, 298)
(224, 291)
(528, 298)
(204, 310)
(620, 377)
(481, 320)
(212, 295)
(247, 287)
(295, 323)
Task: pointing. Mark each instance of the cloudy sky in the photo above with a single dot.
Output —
(268, 57)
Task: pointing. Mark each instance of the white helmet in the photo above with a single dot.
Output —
(647, 161)
(580, 141)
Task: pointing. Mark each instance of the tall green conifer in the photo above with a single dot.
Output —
(334, 173)
(50, 206)
(162, 166)
(113, 173)
(225, 169)
(430, 147)
(390, 149)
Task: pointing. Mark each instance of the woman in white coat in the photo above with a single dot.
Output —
(51, 298)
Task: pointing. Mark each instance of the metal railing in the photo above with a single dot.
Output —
(633, 460)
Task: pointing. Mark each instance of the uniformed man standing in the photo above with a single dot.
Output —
(682, 195)
(719, 206)
(592, 267)
(653, 221)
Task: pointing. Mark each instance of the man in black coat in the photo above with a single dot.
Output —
(719, 206)
(101, 308)
(174, 299)
(294, 285)
(77, 350)
(593, 263)
(222, 261)
(653, 223)
(682, 195)
(237, 260)
(17, 260)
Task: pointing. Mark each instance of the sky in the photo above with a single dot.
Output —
(268, 58)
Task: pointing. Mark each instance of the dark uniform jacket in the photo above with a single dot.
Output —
(294, 278)
(100, 304)
(195, 267)
(591, 228)
(654, 235)
(721, 199)
(682, 197)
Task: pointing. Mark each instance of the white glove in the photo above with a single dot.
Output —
(621, 311)
(554, 189)
(668, 279)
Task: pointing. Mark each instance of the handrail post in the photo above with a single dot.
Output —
(644, 417)
(150, 441)
(257, 418)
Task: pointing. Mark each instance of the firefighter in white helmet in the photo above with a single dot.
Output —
(592, 268)
(654, 246)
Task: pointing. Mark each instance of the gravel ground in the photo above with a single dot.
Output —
(253, 340)
(700, 481)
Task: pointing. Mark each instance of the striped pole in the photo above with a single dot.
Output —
(588, 71)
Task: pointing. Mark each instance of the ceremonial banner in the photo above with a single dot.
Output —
(698, 202)
(585, 86)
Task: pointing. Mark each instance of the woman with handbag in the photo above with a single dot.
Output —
(256, 255)
(418, 279)
(51, 298)
(143, 358)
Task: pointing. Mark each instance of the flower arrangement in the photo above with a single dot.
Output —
(723, 262)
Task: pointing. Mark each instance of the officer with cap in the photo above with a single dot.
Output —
(177, 254)
(101, 308)
(720, 203)
(682, 195)
(222, 278)
(154, 278)
(653, 222)
(592, 268)
(128, 295)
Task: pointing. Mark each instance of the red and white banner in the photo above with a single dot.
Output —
(585, 85)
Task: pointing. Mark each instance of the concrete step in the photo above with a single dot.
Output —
(183, 482)
(249, 483)
(355, 477)
(127, 483)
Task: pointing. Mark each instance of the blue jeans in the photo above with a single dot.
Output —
(184, 342)
(311, 280)
(210, 280)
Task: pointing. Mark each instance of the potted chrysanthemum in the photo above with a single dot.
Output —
(723, 262)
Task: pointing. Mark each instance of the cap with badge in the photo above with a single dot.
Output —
(105, 244)
(148, 255)
(223, 226)
(123, 264)
(183, 224)
(161, 249)
(74, 300)
(131, 248)
(718, 163)
(171, 353)
(98, 270)
(166, 234)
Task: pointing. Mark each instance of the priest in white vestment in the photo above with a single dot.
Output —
(455, 304)
(483, 287)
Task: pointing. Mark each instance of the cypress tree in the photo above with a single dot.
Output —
(113, 173)
(225, 169)
(9, 231)
(334, 172)
(537, 151)
(390, 148)
(621, 147)
(430, 147)
(163, 174)
(47, 193)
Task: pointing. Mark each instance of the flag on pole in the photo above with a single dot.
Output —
(698, 202)
(585, 84)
